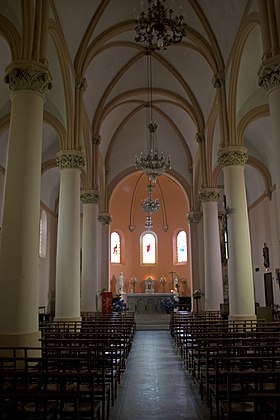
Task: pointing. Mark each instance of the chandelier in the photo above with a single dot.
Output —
(157, 27)
(148, 204)
(153, 163)
(148, 223)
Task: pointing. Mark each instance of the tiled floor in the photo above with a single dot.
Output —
(155, 385)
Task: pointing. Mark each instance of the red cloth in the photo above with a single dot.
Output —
(107, 302)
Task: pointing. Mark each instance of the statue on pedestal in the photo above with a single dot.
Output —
(120, 283)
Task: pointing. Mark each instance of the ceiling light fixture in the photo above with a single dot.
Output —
(153, 163)
(148, 204)
(158, 27)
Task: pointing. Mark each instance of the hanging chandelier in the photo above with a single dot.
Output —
(148, 204)
(153, 163)
(158, 27)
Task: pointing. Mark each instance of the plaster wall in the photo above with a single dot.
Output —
(263, 229)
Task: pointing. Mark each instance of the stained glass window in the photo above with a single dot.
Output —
(148, 248)
(115, 248)
(181, 243)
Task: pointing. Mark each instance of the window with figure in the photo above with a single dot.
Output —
(115, 248)
(181, 247)
(149, 248)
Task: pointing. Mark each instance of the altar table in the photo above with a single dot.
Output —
(143, 303)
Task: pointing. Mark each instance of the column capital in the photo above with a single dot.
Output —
(24, 75)
(218, 80)
(232, 155)
(96, 139)
(200, 138)
(194, 216)
(81, 84)
(90, 196)
(269, 78)
(105, 218)
(209, 195)
(70, 159)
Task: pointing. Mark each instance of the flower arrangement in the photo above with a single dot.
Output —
(170, 303)
(119, 304)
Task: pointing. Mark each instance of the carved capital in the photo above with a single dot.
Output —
(70, 159)
(270, 77)
(81, 84)
(200, 138)
(96, 139)
(218, 80)
(194, 217)
(24, 76)
(90, 196)
(209, 194)
(232, 155)
(105, 218)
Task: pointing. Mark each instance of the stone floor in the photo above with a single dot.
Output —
(155, 385)
(152, 321)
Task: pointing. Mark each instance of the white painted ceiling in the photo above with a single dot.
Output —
(114, 65)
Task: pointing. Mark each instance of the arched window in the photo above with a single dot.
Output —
(43, 234)
(148, 247)
(181, 247)
(115, 248)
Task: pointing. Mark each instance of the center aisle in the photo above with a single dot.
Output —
(155, 385)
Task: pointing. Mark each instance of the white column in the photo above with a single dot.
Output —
(240, 273)
(270, 81)
(194, 219)
(212, 250)
(21, 209)
(67, 302)
(105, 220)
(89, 281)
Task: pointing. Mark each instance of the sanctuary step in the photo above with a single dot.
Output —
(152, 321)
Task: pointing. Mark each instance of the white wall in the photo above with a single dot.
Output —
(264, 228)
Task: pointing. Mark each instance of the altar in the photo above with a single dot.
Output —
(145, 303)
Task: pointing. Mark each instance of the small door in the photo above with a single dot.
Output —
(269, 301)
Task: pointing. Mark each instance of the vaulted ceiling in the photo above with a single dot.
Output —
(94, 40)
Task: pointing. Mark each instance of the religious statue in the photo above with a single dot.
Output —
(120, 283)
(162, 281)
(133, 281)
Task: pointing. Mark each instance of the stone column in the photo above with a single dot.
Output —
(270, 81)
(67, 302)
(212, 250)
(240, 274)
(194, 218)
(21, 207)
(90, 281)
(105, 220)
